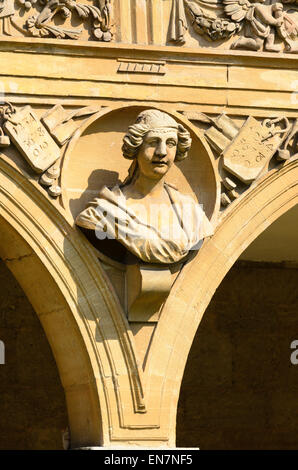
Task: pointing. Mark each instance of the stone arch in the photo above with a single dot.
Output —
(56, 319)
(81, 317)
(106, 392)
(267, 200)
(239, 362)
(20, 250)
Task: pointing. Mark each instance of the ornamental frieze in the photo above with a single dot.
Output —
(224, 24)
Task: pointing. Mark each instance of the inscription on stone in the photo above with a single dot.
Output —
(249, 152)
(32, 139)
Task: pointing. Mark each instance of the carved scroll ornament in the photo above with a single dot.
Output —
(258, 25)
(38, 18)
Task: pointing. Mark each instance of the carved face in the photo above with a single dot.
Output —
(157, 153)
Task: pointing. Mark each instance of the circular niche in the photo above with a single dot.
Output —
(94, 159)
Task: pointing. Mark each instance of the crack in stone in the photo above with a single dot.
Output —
(17, 258)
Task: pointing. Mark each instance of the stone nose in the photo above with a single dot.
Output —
(161, 149)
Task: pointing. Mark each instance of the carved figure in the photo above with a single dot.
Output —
(152, 219)
(7, 12)
(258, 24)
(262, 24)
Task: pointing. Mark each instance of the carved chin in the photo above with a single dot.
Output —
(160, 169)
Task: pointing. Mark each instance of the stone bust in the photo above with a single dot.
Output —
(152, 219)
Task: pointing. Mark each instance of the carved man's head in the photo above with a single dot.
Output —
(153, 123)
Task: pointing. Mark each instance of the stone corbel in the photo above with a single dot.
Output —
(147, 288)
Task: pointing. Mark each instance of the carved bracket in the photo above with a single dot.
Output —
(147, 288)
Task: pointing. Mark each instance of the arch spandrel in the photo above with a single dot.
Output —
(84, 314)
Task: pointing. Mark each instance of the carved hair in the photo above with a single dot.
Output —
(149, 120)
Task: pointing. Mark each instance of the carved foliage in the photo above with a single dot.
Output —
(42, 23)
(213, 28)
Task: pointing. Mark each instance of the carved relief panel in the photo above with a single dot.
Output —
(248, 149)
(224, 24)
(237, 24)
(75, 155)
(148, 207)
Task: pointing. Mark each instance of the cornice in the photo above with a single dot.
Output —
(168, 53)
